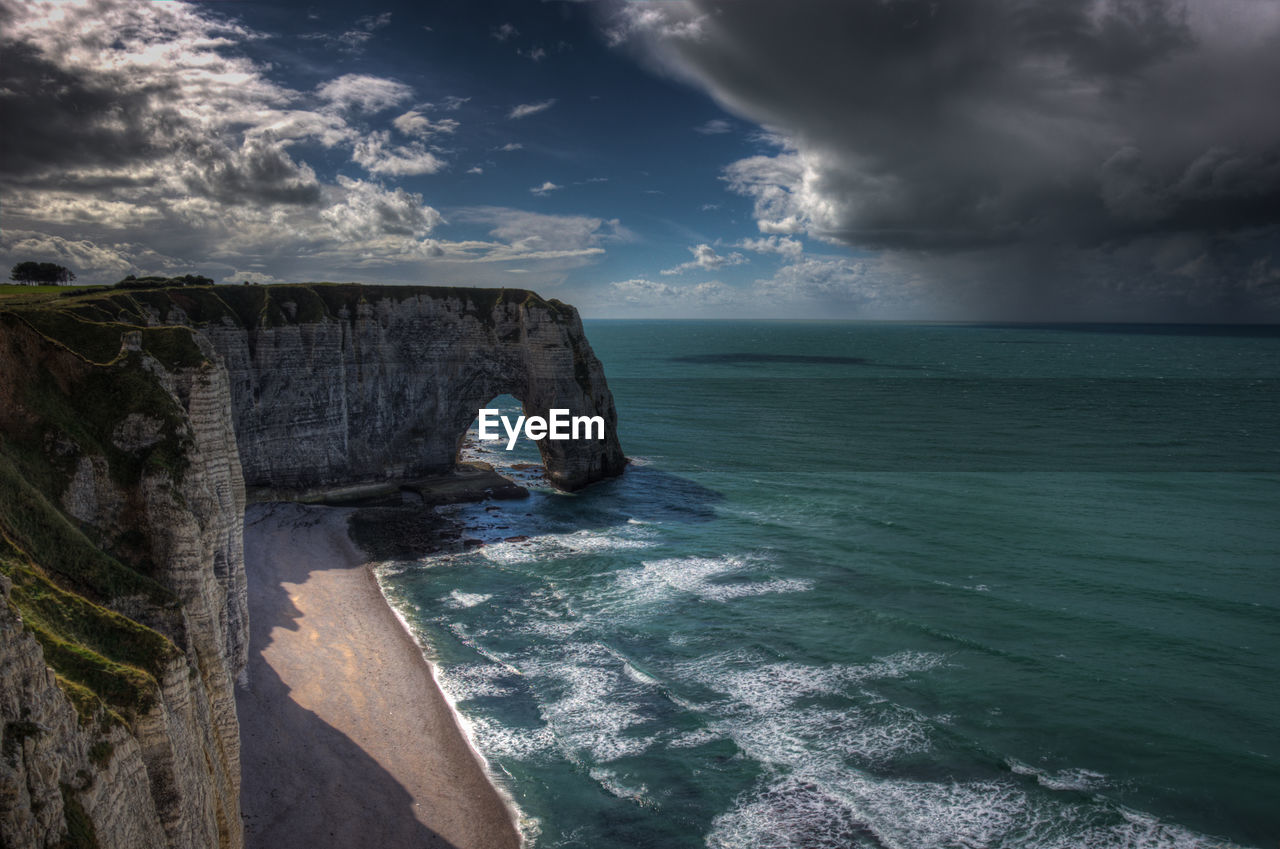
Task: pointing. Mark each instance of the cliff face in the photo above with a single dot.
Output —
(334, 390)
(130, 423)
(122, 513)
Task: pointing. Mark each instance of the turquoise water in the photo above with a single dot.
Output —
(875, 585)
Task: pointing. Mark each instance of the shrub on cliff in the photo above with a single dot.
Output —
(157, 282)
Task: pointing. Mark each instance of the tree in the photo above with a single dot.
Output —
(35, 273)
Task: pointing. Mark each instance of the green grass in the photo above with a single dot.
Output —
(21, 291)
(279, 304)
(88, 704)
(32, 526)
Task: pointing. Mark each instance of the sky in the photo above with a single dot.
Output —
(1038, 160)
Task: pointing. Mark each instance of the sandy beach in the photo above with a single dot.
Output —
(346, 739)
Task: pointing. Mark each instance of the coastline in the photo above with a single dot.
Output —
(346, 737)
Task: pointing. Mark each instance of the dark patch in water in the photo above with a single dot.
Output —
(744, 358)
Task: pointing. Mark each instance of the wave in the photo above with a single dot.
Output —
(706, 577)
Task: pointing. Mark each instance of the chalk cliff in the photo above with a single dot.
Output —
(130, 424)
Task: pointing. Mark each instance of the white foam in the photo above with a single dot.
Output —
(511, 743)
(1080, 780)
(540, 547)
(597, 703)
(610, 781)
(464, 681)
(658, 580)
(820, 803)
(638, 676)
(695, 738)
(459, 599)
(808, 808)
(772, 687)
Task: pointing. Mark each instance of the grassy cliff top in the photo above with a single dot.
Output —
(252, 305)
(91, 321)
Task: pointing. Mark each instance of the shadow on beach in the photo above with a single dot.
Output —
(305, 783)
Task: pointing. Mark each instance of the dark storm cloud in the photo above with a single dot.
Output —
(257, 173)
(57, 118)
(983, 125)
(971, 121)
(87, 130)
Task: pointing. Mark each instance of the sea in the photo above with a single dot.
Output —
(885, 585)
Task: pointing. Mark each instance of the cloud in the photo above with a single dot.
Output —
(353, 40)
(706, 258)
(377, 155)
(510, 146)
(643, 292)
(368, 212)
(414, 123)
(1070, 129)
(715, 126)
(783, 245)
(524, 110)
(536, 54)
(519, 235)
(475, 169)
(505, 32)
(363, 93)
(857, 283)
(259, 172)
(168, 150)
(546, 188)
(81, 255)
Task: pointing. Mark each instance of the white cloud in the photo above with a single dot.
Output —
(536, 54)
(377, 155)
(505, 32)
(288, 125)
(643, 292)
(414, 123)
(367, 212)
(790, 248)
(678, 22)
(87, 259)
(706, 258)
(524, 110)
(364, 93)
(240, 276)
(546, 188)
(520, 235)
(510, 146)
(475, 169)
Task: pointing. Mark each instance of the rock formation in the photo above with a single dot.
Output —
(130, 424)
